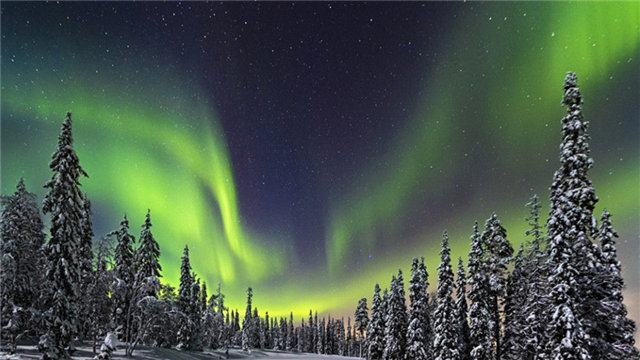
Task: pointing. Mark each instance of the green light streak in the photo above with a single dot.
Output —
(513, 67)
(169, 159)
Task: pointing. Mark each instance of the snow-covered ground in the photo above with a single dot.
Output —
(149, 353)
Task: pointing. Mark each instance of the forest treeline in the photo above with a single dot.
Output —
(557, 297)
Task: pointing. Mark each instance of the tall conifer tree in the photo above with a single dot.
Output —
(148, 254)
(570, 223)
(497, 256)
(617, 329)
(480, 320)
(535, 274)
(396, 320)
(375, 330)
(124, 272)
(461, 312)
(21, 258)
(513, 345)
(445, 344)
(64, 201)
(418, 346)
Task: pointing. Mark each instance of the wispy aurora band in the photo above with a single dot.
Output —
(593, 39)
(137, 158)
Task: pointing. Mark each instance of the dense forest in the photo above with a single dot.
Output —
(557, 297)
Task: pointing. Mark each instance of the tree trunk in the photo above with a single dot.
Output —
(496, 314)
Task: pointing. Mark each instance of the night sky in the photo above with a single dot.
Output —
(311, 149)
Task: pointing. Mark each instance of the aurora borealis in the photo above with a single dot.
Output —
(309, 150)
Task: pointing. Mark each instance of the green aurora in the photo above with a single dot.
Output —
(138, 158)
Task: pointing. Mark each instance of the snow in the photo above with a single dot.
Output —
(148, 353)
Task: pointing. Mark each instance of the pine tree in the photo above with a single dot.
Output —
(203, 298)
(290, 334)
(349, 340)
(185, 332)
(65, 203)
(480, 320)
(535, 273)
(570, 224)
(147, 263)
(316, 332)
(186, 282)
(21, 256)
(124, 273)
(375, 329)
(497, 257)
(514, 342)
(461, 313)
(396, 320)
(247, 324)
(617, 329)
(100, 303)
(361, 320)
(418, 346)
(195, 315)
(445, 344)
(321, 338)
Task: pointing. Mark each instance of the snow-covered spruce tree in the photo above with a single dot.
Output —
(195, 316)
(513, 344)
(375, 329)
(534, 278)
(309, 347)
(263, 335)
(445, 342)
(302, 336)
(99, 317)
(237, 333)
(354, 343)
(349, 339)
(566, 339)
(570, 226)
(396, 320)
(186, 282)
(185, 332)
(617, 328)
(283, 334)
(361, 320)
(275, 333)
(124, 274)
(480, 320)
(461, 313)
(220, 335)
(428, 330)
(329, 341)
(64, 202)
(322, 340)
(267, 332)
(147, 256)
(341, 336)
(418, 346)
(202, 300)
(497, 255)
(254, 336)
(316, 332)
(21, 257)
(291, 339)
(247, 323)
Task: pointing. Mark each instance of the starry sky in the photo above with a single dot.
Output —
(311, 149)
